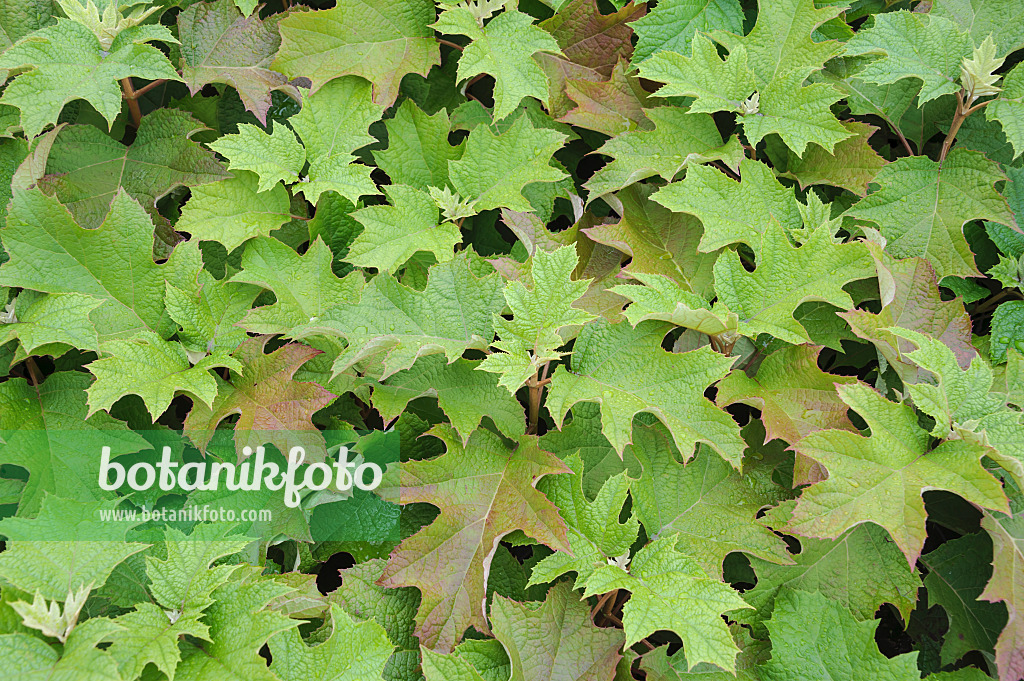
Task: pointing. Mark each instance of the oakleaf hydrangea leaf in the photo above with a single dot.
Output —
(233, 211)
(485, 491)
(495, 169)
(269, 402)
(1007, 585)
(452, 314)
(626, 371)
(867, 474)
(678, 139)
(380, 41)
(786, 277)
(1008, 109)
(957, 574)
(670, 591)
(274, 157)
(708, 505)
(860, 569)
(27, 656)
(332, 124)
(1000, 19)
(660, 298)
(112, 263)
(571, 647)
(796, 398)
(351, 652)
(37, 422)
(658, 241)
(716, 84)
(155, 370)
(504, 49)
(926, 47)
(465, 395)
(595, 533)
(922, 206)
(852, 165)
(539, 313)
(418, 150)
(85, 168)
(304, 285)
(65, 61)
(394, 233)
(65, 547)
(817, 638)
(219, 44)
(674, 25)
(43, 319)
(733, 211)
(591, 38)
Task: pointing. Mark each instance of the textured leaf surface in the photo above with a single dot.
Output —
(484, 490)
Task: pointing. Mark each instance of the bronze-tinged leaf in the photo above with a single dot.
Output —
(484, 490)
(272, 406)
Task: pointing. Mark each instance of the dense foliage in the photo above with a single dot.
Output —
(700, 323)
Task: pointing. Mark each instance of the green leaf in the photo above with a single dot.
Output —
(524, 151)
(394, 233)
(786, 277)
(922, 206)
(485, 491)
(452, 314)
(155, 370)
(240, 624)
(304, 285)
(233, 211)
(504, 49)
(47, 433)
(861, 570)
(1007, 330)
(660, 298)
(394, 609)
(332, 124)
(852, 166)
(418, 150)
(380, 41)
(678, 139)
(806, 631)
(86, 168)
(963, 404)
(44, 319)
(112, 263)
(957, 574)
(272, 406)
(627, 372)
(205, 309)
(658, 242)
(274, 157)
(660, 666)
(182, 585)
(1006, 584)
(716, 84)
(28, 657)
(219, 44)
(1001, 19)
(591, 39)
(896, 462)
(925, 47)
(555, 640)
(733, 211)
(65, 547)
(539, 315)
(671, 592)
(595, 534)
(465, 395)
(1008, 109)
(674, 24)
(708, 505)
(65, 61)
(352, 652)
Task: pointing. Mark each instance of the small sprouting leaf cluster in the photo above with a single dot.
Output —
(701, 323)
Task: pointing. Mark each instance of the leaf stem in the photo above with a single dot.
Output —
(35, 376)
(149, 86)
(133, 100)
(962, 112)
(450, 44)
(536, 385)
